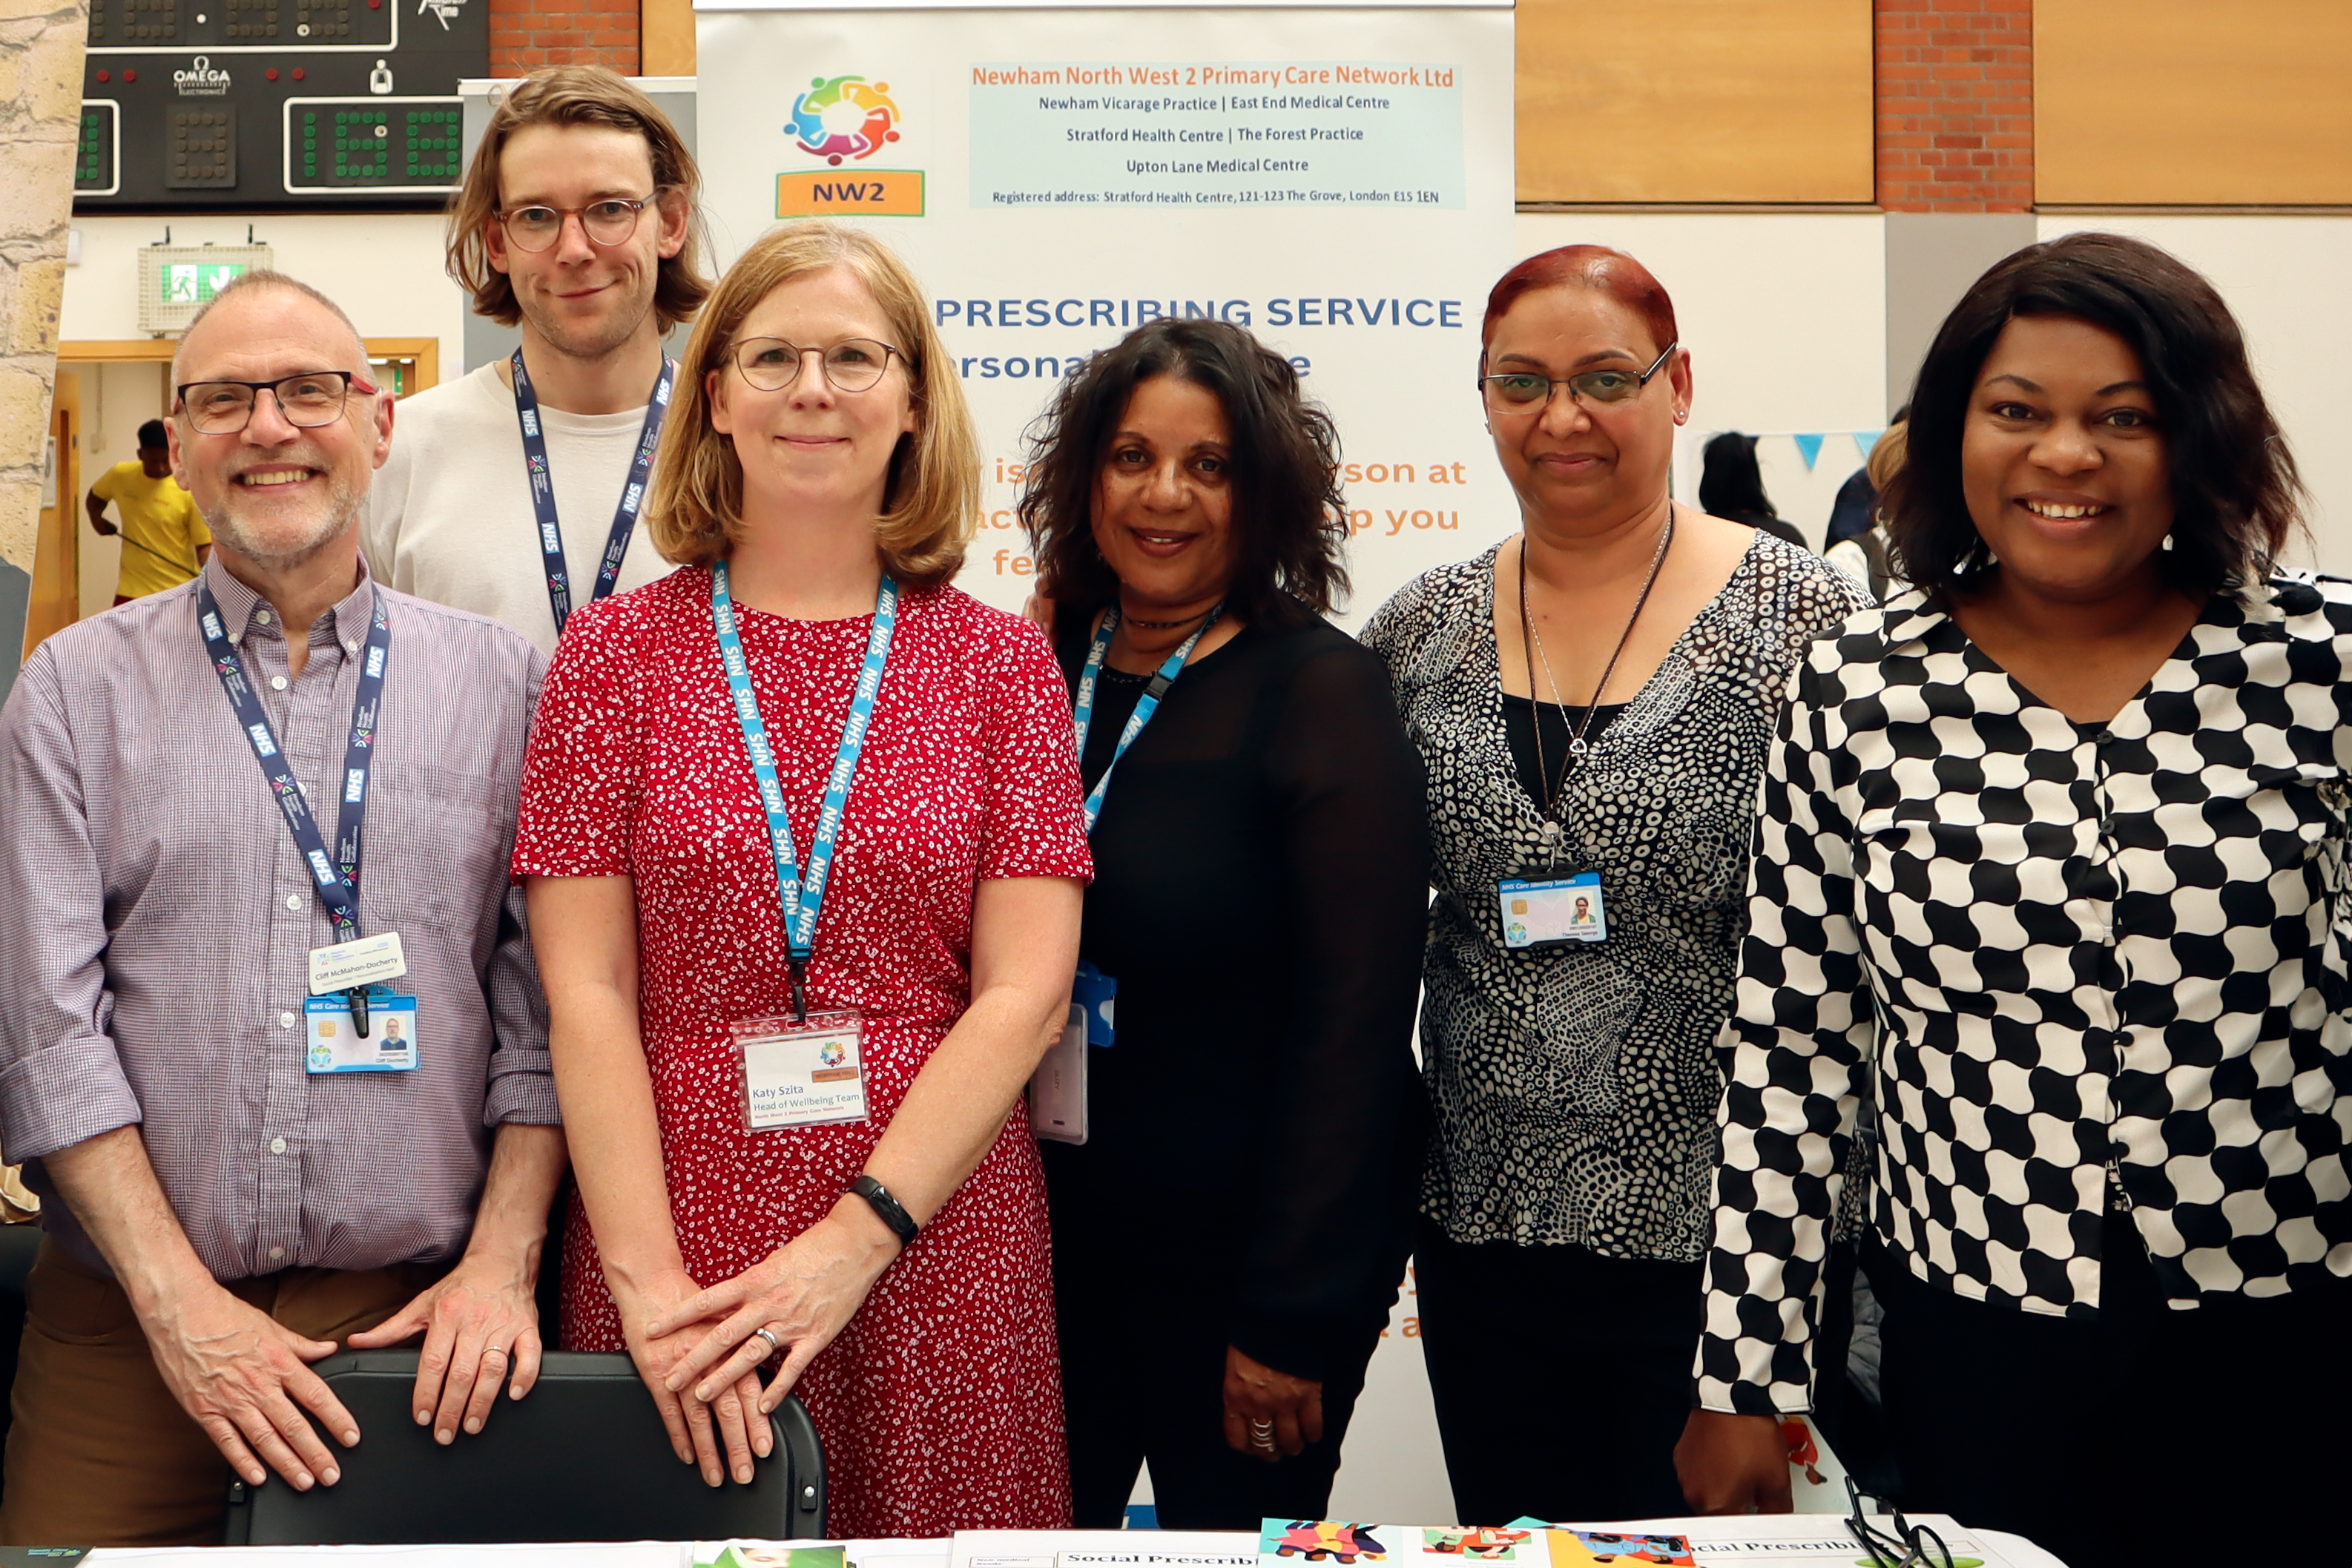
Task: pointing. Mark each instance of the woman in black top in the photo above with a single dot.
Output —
(1228, 1241)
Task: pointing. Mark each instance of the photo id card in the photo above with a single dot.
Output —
(337, 1045)
(801, 1074)
(1096, 994)
(1544, 911)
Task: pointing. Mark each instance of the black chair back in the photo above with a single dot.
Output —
(583, 1457)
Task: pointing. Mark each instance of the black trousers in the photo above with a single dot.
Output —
(2131, 1437)
(1143, 1377)
(1562, 1378)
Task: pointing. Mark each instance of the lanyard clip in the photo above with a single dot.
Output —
(800, 991)
(358, 995)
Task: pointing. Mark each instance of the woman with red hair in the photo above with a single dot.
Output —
(1593, 700)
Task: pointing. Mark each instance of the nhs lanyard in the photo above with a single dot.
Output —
(338, 880)
(802, 897)
(1083, 713)
(543, 489)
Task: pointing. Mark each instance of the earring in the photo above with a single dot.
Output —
(1682, 416)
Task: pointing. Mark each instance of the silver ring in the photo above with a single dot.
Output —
(493, 1350)
(773, 1344)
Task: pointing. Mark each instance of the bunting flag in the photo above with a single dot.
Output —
(1867, 439)
(1810, 448)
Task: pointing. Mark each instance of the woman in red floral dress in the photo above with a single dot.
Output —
(820, 464)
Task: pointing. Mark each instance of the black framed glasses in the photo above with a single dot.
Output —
(607, 223)
(310, 399)
(772, 364)
(1525, 392)
(1906, 1545)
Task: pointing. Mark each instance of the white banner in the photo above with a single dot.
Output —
(1339, 180)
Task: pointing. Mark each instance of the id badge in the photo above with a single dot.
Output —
(1546, 912)
(1057, 1089)
(1096, 994)
(390, 1045)
(801, 1074)
(368, 961)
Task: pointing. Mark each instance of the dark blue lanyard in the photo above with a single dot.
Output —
(1082, 714)
(338, 880)
(543, 491)
(803, 897)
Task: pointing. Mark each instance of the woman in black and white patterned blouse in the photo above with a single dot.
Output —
(2052, 867)
(1570, 1014)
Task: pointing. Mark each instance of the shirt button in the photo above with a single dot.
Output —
(285, 1020)
(294, 901)
(277, 683)
(276, 1253)
(261, 615)
(277, 1146)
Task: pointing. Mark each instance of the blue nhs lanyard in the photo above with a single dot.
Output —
(1083, 712)
(338, 880)
(543, 491)
(803, 897)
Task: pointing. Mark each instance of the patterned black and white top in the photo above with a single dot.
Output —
(2101, 955)
(1575, 1088)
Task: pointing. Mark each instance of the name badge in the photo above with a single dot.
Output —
(801, 1075)
(368, 961)
(1057, 1089)
(336, 1045)
(1095, 995)
(1545, 911)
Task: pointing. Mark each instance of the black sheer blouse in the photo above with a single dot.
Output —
(1260, 894)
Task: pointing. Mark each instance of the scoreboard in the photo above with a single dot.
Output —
(258, 106)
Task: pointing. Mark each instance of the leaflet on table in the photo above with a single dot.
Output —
(817, 1554)
(1765, 1540)
(1104, 1548)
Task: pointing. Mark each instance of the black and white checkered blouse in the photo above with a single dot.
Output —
(2109, 962)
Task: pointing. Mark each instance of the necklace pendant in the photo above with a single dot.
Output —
(1577, 747)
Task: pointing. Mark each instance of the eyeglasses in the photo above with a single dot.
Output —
(772, 364)
(1524, 392)
(313, 398)
(609, 222)
(1908, 1546)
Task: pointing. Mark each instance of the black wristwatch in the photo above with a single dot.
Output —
(894, 1213)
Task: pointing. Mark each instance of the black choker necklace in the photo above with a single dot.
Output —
(1164, 625)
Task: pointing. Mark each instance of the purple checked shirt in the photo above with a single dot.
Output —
(156, 924)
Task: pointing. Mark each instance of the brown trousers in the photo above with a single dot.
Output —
(99, 1454)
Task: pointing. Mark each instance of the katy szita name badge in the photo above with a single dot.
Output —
(801, 1074)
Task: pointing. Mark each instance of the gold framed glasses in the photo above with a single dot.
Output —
(607, 223)
(772, 364)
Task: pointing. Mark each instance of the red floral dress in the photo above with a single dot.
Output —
(941, 1405)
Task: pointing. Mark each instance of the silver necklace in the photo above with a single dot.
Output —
(1531, 644)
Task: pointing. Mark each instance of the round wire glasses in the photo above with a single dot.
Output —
(772, 364)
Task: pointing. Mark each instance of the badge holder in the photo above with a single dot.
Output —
(804, 1072)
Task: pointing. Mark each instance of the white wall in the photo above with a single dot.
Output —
(2284, 280)
(384, 269)
(1785, 318)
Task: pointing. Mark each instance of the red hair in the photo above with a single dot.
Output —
(1594, 266)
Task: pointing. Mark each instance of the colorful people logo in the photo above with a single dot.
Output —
(844, 117)
(831, 1053)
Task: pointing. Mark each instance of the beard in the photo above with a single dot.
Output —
(282, 544)
(586, 340)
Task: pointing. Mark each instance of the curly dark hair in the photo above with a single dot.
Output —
(2236, 493)
(1289, 520)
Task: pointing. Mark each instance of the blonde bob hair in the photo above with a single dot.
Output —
(932, 500)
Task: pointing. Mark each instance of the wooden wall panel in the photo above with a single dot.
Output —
(2192, 102)
(1694, 100)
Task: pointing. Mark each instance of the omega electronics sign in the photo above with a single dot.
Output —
(258, 106)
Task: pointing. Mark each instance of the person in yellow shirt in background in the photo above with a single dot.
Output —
(164, 540)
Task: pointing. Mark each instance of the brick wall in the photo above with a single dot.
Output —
(1955, 89)
(528, 33)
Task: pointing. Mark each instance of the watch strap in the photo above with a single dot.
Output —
(892, 1212)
